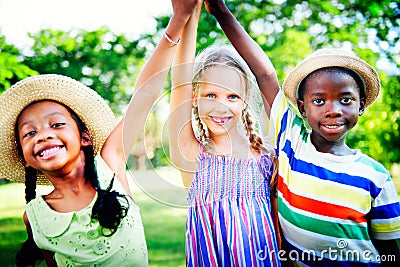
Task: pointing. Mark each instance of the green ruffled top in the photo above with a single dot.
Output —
(76, 239)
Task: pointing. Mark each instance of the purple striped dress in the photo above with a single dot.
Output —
(229, 220)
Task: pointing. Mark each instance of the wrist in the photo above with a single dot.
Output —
(170, 40)
(173, 31)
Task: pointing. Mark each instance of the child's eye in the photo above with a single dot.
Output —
(347, 100)
(318, 101)
(29, 134)
(233, 97)
(211, 95)
(58, 124)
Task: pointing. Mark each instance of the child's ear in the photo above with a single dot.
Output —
(302, 110)
(362, 106)
(87, 139)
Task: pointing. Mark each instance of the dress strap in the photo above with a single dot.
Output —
(202, 147)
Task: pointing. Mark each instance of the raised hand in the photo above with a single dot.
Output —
(185, 7)
(215, 7)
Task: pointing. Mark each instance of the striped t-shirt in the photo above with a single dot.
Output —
(329, 206)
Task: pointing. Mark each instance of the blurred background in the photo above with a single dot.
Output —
(104, 44)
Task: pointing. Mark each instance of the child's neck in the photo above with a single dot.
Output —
(71, 191)
(338, 148)
(233, 146)
(71, 196)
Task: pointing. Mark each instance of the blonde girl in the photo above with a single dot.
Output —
(228, 170)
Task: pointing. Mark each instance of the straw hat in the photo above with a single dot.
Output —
(333, 57)
(85, 102)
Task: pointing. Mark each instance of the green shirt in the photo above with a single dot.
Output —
(76, 239)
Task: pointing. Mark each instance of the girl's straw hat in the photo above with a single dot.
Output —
(333, 57)
(85, 102)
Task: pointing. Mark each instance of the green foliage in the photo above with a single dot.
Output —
(11, 68)
(378, 132)
(161, 157)
(104, 61)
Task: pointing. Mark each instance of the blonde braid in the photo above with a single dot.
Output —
(255, 140)
(202, 132)
(274, 177)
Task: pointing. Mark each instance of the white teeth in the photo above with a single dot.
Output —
(49, 151)
(219, 120)
(331, 126)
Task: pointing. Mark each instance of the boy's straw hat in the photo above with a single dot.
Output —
(333, 57)
(85, 102)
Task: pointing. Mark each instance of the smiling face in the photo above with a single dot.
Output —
(49, 137)
(331, 102)
(220, 99)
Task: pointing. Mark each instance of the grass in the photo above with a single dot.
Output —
(158, 193)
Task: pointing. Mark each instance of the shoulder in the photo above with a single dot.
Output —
(26, 221)
(374, 164)
(108, 175)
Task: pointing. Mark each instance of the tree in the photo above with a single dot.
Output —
(11, 67)
(106, 62)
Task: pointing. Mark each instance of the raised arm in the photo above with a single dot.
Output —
(251, 52)
(184, 147)
(147, 89)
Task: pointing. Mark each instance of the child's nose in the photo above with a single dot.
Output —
(44, 135)
(221, 106)
(333, 109)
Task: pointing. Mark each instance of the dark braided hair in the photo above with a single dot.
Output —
(29, 253)
(109, 209)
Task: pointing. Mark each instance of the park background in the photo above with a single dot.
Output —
(108, 60)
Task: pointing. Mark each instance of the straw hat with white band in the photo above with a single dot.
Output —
(88, 105)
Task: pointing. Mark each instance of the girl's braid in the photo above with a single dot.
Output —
(202, 132)
(30, 183)
(255, 140)
(29, 253)
(110, 207)
(274, 177)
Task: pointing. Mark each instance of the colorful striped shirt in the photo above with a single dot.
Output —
(329, 206)
(229, 221)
